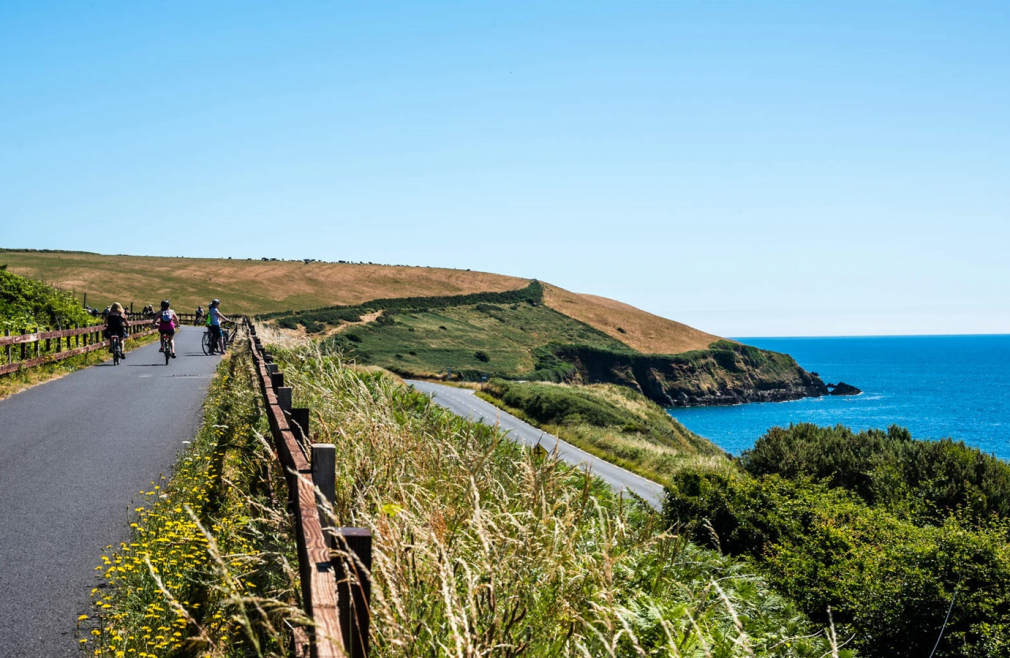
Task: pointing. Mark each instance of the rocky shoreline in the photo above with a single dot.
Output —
(727, 373)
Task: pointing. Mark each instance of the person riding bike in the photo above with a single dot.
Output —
(199, 316)
(214, 320)
(116, 324)
(167, 322)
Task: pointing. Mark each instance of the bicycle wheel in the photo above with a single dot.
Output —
(168, 351)
(115, 352)
(206, 342)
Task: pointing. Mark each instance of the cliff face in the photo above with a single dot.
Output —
(726, 373)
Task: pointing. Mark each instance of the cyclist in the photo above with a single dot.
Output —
(116, 325)
(199, 316)
(167, 322)
(214, 320)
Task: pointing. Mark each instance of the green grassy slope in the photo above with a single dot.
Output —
(470, 340)
(612, 422)
(514, 335)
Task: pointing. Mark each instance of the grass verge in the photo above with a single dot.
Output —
(609, 421)
(209, 570)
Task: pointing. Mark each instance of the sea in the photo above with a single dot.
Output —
(936, 386)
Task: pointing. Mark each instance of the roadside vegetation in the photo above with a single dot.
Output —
(481, 546)
(612, 422)
(26, 304)
(211, 568)
(886, 532)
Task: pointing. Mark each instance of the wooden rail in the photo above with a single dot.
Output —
(41, 347)
(335, 584)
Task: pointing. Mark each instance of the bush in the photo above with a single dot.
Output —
(888, 582)
(26, 304)
(882, 528)
(921, 480)
(481, 355)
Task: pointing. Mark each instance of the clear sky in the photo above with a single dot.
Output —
(750, 168)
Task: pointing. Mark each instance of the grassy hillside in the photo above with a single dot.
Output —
(472, 322)
(256, 286)
(244, 286)
(612, 422)
(514, 335)
(645, 332)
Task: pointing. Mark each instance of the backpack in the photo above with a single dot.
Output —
(166, 317)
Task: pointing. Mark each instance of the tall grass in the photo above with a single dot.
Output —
(482, 548)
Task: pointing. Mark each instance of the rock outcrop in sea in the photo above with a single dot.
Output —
(841, 388)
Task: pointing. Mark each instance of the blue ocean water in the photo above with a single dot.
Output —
(936, 386)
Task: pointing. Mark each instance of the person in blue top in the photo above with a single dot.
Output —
(214, 320)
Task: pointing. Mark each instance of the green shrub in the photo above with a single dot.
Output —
(26, 304)
(924, 480)
(887, 581)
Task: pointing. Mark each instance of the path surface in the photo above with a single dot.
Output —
(463, 402)
(74, 453)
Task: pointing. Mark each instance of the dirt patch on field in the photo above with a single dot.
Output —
(640, 330)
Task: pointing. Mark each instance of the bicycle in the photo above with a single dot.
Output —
(116, 345)
(166, 347)
(210, 346)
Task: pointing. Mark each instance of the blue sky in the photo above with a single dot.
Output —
(750, 168)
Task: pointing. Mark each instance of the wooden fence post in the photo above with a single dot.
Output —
(284, 398)
(7, 332)
(353, 572)
(24, 346)
(324, 476)
(299, 421)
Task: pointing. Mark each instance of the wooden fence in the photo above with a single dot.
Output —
(334, 564)
(42, 346)
(31, 349)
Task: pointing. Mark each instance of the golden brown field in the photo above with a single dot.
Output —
(256, 286)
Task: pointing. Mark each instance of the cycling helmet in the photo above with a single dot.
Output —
(165, 304)
(215, 302)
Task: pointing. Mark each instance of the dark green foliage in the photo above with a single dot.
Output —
(481, 355)
(924, 479)
(27, 304)
(882, 528)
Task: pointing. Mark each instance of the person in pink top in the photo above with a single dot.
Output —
(167, 322)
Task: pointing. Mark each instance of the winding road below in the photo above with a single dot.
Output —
(463, 402)
(74, 455)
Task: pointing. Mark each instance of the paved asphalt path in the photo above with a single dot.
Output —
(74, 454)
(463, 402)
